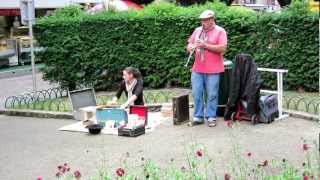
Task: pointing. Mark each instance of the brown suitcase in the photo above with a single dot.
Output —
(180, 107)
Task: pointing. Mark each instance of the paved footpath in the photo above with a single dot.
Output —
(32, 146)
(16, 85)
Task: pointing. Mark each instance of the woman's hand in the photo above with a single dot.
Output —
(129, 101)
(113, 101)
(123, 106)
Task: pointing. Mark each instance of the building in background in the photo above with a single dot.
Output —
(14, 40)
(314, 5)
(258, 5)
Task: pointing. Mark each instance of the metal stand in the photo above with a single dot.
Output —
(27, 17)
(34, 81)
(279, 91)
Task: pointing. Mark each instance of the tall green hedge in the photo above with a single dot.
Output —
(82, 49)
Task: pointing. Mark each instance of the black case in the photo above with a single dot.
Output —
(132, 132)
(180, 106)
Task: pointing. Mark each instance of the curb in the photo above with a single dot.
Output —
(42, 114)
(302, 115)
(38, 114)
(68, 115)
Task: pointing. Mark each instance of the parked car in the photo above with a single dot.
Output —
(9, 54)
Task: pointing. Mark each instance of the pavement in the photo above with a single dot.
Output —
(32, 147)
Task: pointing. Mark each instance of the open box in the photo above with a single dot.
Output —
(141, 111)
(111, 114)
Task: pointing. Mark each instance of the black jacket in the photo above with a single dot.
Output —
(245, 85)
(137, 90)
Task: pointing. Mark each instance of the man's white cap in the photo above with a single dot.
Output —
(206, 14)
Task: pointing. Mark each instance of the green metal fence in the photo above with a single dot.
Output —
(55, 99)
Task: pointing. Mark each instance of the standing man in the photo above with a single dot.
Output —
(209, 42)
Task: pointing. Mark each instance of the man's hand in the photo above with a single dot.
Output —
(190, 47)
(200, 44)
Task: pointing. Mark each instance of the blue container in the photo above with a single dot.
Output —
(114, 114)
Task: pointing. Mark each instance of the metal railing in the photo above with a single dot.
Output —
(302, 104)
(38, 99)
(55, 99)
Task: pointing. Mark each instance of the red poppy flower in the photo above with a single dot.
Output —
(120, 172)
(249, 154)
(58, 174)
(77, 174)
(305, 147)
(199, 153)
(39, 178)
(63, 169)
(226, 176)
(305, 178)
(229, 124)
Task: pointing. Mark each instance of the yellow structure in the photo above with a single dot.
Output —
(314, 5)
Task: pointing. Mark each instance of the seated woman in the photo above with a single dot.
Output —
(132, 85)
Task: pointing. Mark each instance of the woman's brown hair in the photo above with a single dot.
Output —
(134, 71)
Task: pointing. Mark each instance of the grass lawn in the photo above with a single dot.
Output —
(302, 101)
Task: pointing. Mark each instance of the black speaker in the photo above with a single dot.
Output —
(180, 107)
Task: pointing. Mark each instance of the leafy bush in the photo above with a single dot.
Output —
(83, 49)
(70, 11)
